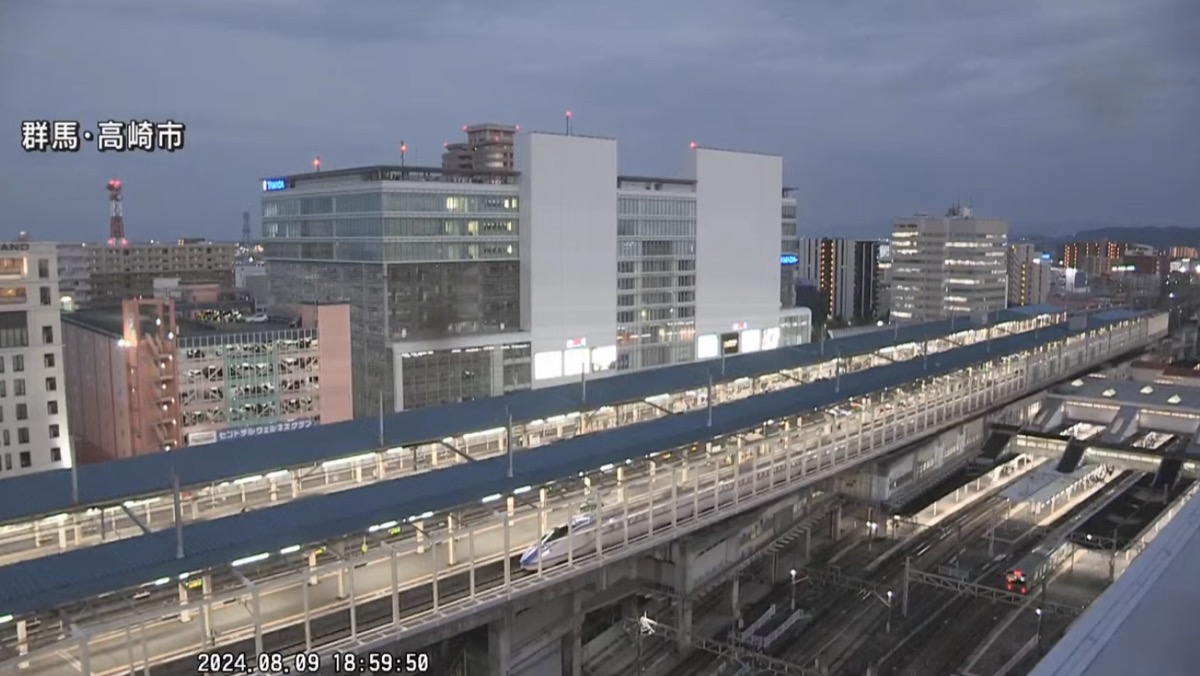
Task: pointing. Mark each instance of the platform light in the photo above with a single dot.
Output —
(289, 550)
(425, 515)
(522, 489)
(248, 479)
(250, 559)
(382, 526)
(161, 581)
(491, 498)
(4, 619)
(279, 474)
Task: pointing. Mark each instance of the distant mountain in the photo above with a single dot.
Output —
(1157, 237)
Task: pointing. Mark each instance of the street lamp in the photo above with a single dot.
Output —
(871, 528)
(890, 595)
(1039, 629)
(793, 572)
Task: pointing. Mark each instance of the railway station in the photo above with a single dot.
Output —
(423, 554)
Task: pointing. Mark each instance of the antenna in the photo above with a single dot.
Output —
(116, 216)
(403, 151)
(568, 116)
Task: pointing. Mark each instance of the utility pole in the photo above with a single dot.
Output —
(508, 442)
(178, 511)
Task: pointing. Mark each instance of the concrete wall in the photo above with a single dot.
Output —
(568, 210)
(737, 239)
(332, 322)
(97, 394)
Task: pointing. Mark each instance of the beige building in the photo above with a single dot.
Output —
(147, 377)
(33, 413)
(1029, 275)
(488, 147)
(948, 265)
(96, 274)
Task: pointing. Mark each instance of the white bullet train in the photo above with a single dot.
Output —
(580, 534)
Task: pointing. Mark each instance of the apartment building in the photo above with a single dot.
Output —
(1030, 275)
(97, 274)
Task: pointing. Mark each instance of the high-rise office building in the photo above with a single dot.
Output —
(847, 273)
(943, 266)
(33, 412)
(1029, 275)
(468, 284)
(488, 146)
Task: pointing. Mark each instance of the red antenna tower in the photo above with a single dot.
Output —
(116, 221)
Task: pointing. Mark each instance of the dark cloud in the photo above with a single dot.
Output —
(1038, 111)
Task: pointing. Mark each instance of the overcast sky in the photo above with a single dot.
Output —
(1038, 112)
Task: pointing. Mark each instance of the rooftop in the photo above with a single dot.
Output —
(1128, 392)
(1145, 622)
(107, 320)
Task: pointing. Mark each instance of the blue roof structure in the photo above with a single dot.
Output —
(114, 482)
(76, 575)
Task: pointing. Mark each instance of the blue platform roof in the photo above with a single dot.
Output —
(109, 483)
(74, 576)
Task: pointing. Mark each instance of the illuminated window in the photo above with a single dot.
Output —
(547, 365)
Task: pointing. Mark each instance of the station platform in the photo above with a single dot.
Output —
(1045, 487)
(1144, 623)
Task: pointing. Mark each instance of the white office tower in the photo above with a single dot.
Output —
(662, 272)
(33, 410)
(1029, 275)
(949, 265)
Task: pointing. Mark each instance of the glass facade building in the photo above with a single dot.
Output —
(418, 254)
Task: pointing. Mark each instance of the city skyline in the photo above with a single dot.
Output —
(870, 126)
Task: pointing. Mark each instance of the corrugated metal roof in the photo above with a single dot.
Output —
(76, 575)
(113, 482)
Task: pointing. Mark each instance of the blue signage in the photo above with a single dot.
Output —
(273, 184)
(1046, 256)
(789, 259)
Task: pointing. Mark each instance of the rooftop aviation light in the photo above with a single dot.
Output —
(491, 498)
(289, 550)
(250, 559)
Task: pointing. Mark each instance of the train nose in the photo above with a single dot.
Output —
(530, 558)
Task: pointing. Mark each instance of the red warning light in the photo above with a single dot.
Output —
(568, 113)
(517, 127)
(692, 145)
(445, 144)
(403, 148)
(317, 162)
(464, 127)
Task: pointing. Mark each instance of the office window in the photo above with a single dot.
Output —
(1, 364)
(48, 335)
(1, 414)
(51, 408)
(26, 459)
(43, 268)
(51, 384)
(3, 388)
(18, 387)
(18, 363)
(55, 454)
(22, 435)
(54, 431)
(44, 295)
(22, 412)
(7, 456)
(48, 360)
